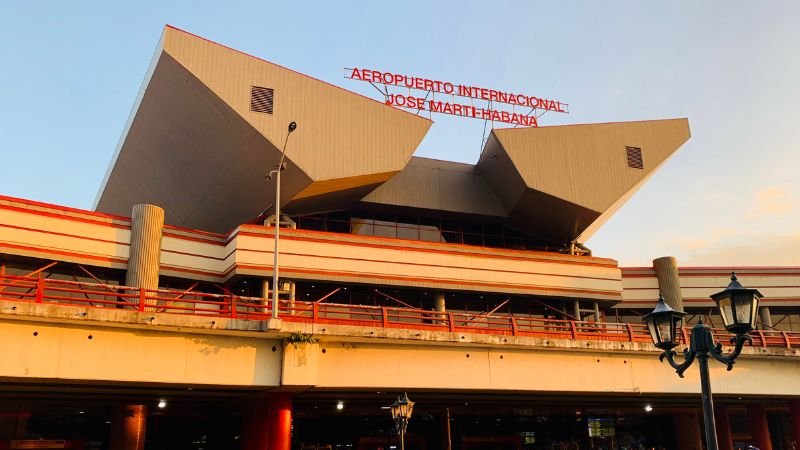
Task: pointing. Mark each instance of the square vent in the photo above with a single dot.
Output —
(635, 157)
(261, 99)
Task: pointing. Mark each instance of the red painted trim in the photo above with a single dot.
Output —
(64, 217)
(293, 71)
(197, 255)
(35, 230)
(62, 208)
(64, 253)
(220, 236)
(193, 239)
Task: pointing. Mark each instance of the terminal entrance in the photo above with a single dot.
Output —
(192, 418)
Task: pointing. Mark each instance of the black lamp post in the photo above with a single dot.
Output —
(401, 413)
(738, 307)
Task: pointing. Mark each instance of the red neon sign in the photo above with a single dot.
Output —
(453, 90)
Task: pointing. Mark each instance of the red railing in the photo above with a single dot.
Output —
(95, 295)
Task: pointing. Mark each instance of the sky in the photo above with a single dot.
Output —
(70, 72)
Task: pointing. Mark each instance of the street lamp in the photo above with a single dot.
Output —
(277, 172)
(738, 307)
(401, 413)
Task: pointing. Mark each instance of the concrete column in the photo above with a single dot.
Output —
(724, 436)
(144, 261)
(688, 431)
(128, 427)
(21, 426)
(577, 310)
(280, 422)
(669, 282)
(596, 312)
(447, 439)
(255, 432)
(765, 317)
(794, 408)
(759, 430)
(439, 303)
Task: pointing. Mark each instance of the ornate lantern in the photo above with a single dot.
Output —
(738, 306)
(664, 323)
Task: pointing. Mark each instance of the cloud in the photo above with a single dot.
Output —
(770, 202)
(777, 250)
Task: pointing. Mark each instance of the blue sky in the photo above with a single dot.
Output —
(71, 71)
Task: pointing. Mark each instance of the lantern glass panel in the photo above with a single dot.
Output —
(651, 327)
(665, 329)
(677, 329)
(726, 311)
(744, 307)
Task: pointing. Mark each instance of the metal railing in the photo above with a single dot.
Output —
(95, 295)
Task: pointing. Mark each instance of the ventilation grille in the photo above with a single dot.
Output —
(261, 99)
(635, 157)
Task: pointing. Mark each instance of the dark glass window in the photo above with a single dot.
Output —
(429, 229)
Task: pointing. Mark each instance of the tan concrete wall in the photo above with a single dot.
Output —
(322, 256)
(63, 351)
(128, 346)
(780, 285)
(55, 233)
(390, 366)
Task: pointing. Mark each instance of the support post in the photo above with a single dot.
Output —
(687, 432)
(144, 261)
(759, 430)
(255, 432)
(669, 283)
(794, 409)
(280, 422)
(129, 425)
(439, 303)
(723, 428)
(448, 442)
(765, 318)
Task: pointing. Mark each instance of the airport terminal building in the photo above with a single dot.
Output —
(150, 321)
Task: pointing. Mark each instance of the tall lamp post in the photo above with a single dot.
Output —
(274, 323)
(738, 307)
(401, 413)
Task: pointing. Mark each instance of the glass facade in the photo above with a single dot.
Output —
(429, 229)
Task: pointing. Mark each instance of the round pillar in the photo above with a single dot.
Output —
(724, 436)
(128, 428)
(687, 431)
(255, 429)
(439, 303)
(794, 407)
(280, 422)
(765, 317)
(669, 282)
(144, 260)
(759, 430)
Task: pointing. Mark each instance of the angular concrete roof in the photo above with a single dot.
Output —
(564, 182)
(193, 146)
